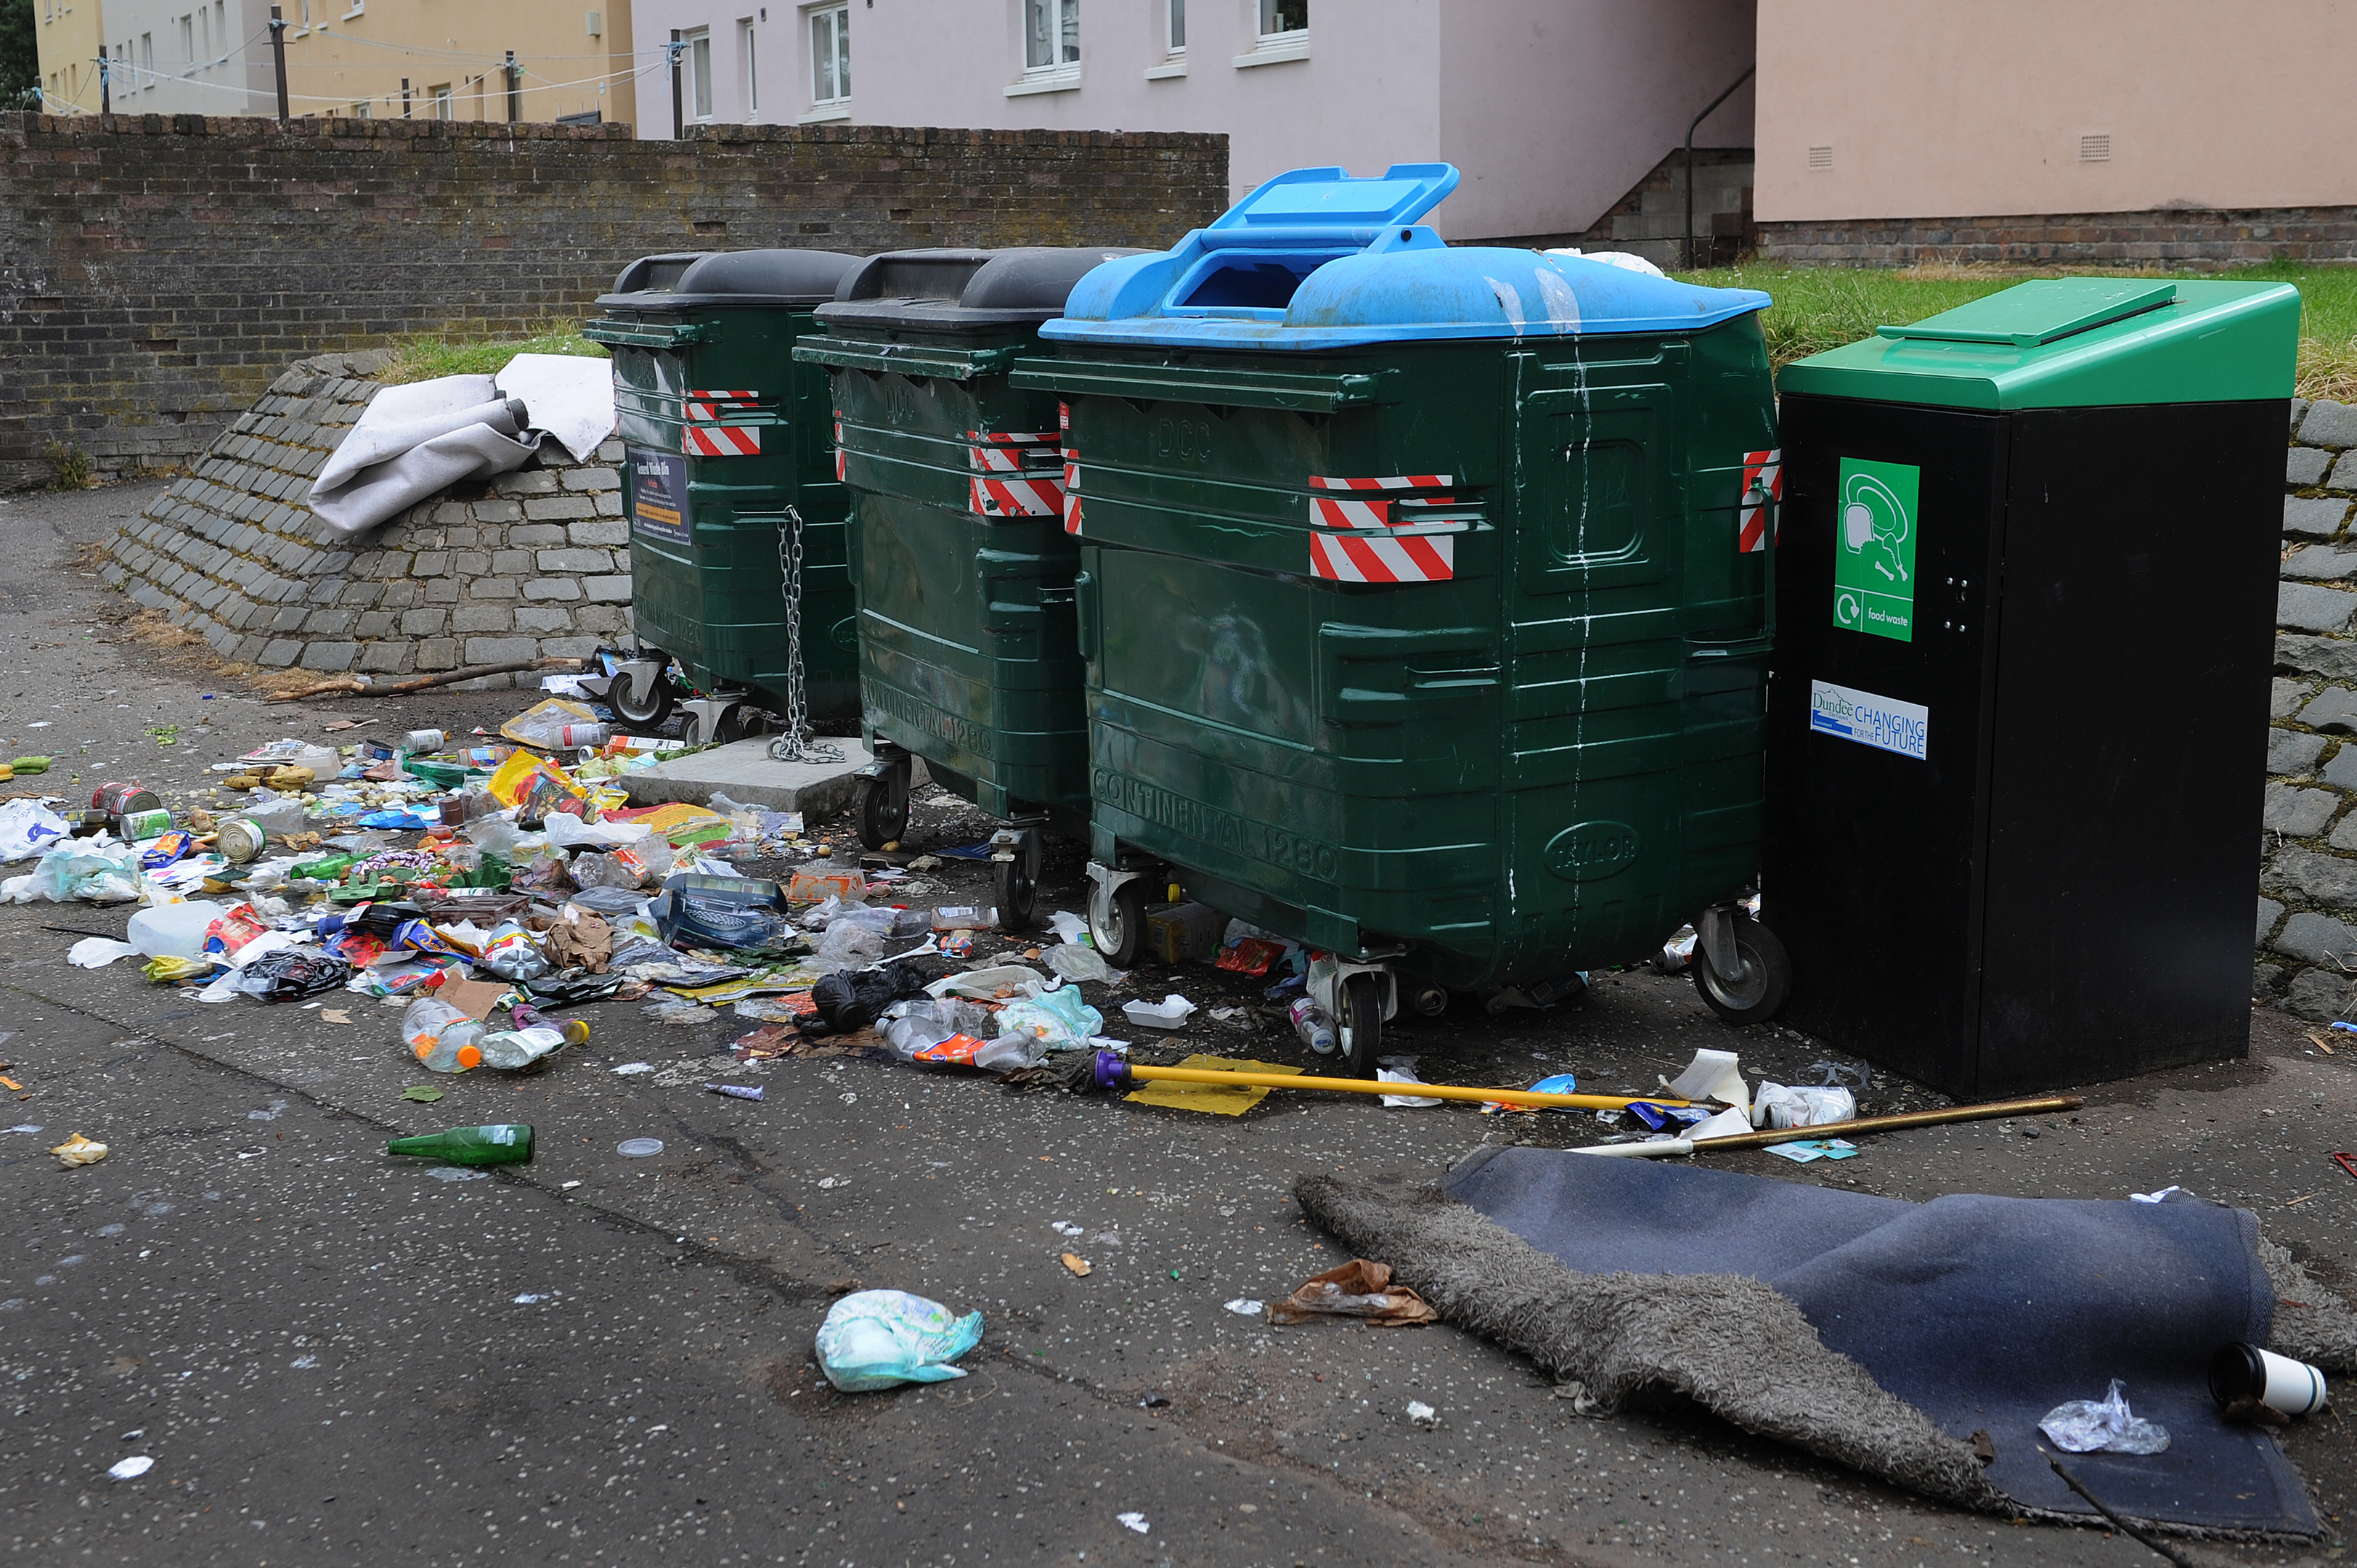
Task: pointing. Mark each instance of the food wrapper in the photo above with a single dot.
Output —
(513, 780)
(80, 1151)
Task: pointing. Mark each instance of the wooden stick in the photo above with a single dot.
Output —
(1422, 1091)
(2071, 1481)
(355, 686)
(2034, 1107)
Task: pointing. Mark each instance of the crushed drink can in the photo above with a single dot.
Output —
(426, 740)
(133, 827)
(117, 800)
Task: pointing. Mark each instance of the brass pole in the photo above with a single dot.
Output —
(2032, 1106)
(1423, 1090)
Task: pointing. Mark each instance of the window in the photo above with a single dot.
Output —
(187, 41)
(147, 59)
(1051, 34)
(752, 78)
(360, 110)
(204, 34)
(1174, 29)
(444, 107)
(1281, 17)
(699, 73)
(830, 37)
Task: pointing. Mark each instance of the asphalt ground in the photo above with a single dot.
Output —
(331, 1355)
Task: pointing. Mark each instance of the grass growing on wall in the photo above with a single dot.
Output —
(1823, 307)
(424, 356)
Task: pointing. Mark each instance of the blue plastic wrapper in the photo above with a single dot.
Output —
(876, 1338)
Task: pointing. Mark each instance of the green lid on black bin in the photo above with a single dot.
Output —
(968, 288)
(2083, 342)
(689, 278)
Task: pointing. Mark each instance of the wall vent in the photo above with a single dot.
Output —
(2097, 148)
(1820, 158)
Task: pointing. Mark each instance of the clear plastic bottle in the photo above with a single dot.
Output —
(443, 1038)
(512, 1048)
(1311, 1023)
(965, 917)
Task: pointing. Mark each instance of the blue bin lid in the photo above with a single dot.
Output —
(1316, 260)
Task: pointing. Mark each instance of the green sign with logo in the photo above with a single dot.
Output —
(1874, 549)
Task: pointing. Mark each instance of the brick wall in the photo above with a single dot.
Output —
(2188, 237)
(157, 272)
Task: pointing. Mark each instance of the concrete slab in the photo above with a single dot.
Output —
(744, 772)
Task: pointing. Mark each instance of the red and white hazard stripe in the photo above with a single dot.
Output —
(838, 447)
(1072, 492)
(1763, 496)
(1008, 482)
(1366, 548)
(706, 433)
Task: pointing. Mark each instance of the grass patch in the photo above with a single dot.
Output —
(1818, 309)
(422, 357)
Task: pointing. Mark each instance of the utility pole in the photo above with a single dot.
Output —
(678, 109)
(278, 58)
(515, 88)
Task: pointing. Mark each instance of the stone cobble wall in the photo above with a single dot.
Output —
(2189, 237)
(156, 271)
(530, 565)
(2308, 903)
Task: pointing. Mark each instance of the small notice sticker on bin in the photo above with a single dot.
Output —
(1882, 721)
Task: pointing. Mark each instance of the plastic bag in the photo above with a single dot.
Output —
(103, 874)
(1058, 1019)
(1773, 1105)
(849, 1000)
(875, 1338)
(849, 944)
(1074, 961)
(713, 923)
(27, 829)
(290, 974)
(2104, 1425)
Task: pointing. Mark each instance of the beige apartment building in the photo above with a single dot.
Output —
(441, 60)
(67, 38)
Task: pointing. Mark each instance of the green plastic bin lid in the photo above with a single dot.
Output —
(964, 289)
(2080, 342)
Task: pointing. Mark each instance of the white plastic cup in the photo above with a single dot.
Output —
(2245, 1371)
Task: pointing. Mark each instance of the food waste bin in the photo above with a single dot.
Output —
(1424, 596)
(2026, 625)
(727, 470)
(960, 563)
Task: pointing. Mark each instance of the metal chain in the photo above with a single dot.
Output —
(794, 745)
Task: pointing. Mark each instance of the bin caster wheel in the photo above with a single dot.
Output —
(881, 822)
(1359, 1022)
(1018, 895)
(1758, 988)
(742, 721)
(646, 709)
(1120, 936)
(1431, 1001)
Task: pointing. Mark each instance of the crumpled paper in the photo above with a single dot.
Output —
(1359, 1288)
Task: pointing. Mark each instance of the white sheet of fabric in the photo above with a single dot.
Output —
(416, 441)
(570, 396)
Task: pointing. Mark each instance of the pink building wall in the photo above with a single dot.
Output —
(1553, 109)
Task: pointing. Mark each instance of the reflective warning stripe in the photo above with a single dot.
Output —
(1762, 500)
(1395, 482)
(1378, 557)
(838, 447)
(1072, 491)
(705, 434)
(996, 496)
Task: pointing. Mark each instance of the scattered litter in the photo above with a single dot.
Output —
(80, 1151)
(1063, 1229)
(130, 1469)
(1774, 1105)
(638, 1148)
(1218, 1098)
(97, 953)
(735, 1091)
(876, 1338)
(2161, 1196)
(1421, 1413)
(422, 1093)
(1078, 1265)
(632, 1069)
(1244, 1306)
(1802, 1153)
(456, 1173)
(1136, 1521)
(1171, 1013)
(1402, 1070)
(2242, 1376)
(530, 1298)
(2104, 1426)
(1359, 1288)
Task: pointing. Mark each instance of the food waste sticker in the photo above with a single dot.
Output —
(1882, 721)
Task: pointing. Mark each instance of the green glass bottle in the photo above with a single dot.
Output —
(504, 1144)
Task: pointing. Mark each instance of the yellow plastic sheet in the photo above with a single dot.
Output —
(1218, 1100)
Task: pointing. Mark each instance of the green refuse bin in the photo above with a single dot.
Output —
(727, 463)
(961, 565)
(1424, 596)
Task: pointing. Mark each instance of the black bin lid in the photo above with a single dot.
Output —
(685, 278)
(1020, 286)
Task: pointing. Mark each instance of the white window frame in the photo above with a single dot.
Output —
(1057, 74)
(751, 74)
(1278, 48)
(445, 107)
(146, 60)
(698, 42)
(1174, 42)
(835, 52)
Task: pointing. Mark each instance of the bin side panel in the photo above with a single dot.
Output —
(2125, 810)
(1874, 859)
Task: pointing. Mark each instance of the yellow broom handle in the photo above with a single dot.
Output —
(1423, 1090)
